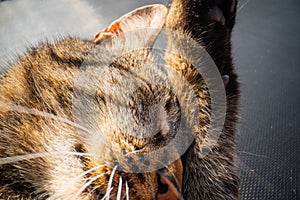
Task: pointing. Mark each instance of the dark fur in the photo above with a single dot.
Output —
(215, 176)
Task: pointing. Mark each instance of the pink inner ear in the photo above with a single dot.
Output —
(114, 29)
(97, 35)
(100, 36)
(152, 16)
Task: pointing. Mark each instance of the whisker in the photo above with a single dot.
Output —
(119, 189)
(132, 152)
(171, 186)
(109, 186)
(127, 191)
(107, 194)
(33, 111)
(239, 9)
(86, 185)
(178, 194)
(167, 167)
(96, 187)
(242, 6)
(18, 158)
(88, 171)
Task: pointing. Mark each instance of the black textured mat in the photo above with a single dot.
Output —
(266, 49)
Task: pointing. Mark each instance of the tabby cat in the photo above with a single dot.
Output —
(73, 112)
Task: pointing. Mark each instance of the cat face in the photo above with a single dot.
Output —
(137, 93)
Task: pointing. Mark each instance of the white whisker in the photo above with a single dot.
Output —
(86, 185)
(109, 186)
(33, 111)
(88, 171)
(242, 6)
(18, 158)
(132, 152)
(107, 194)
(95, 187)
(168, 168)
(127, 191)
(119, 189)
(171, 186)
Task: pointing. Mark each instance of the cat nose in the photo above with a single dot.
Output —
(168, 186)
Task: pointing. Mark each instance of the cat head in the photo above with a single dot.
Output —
(135, 113)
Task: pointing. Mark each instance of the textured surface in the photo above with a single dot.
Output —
(266, 50)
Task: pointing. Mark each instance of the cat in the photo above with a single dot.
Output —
(211, 24)
(69, 109)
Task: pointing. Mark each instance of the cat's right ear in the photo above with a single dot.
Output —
(150, 17)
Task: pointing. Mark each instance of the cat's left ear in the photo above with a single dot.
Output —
(152, 17)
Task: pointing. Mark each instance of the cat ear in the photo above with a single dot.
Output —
(152, 16)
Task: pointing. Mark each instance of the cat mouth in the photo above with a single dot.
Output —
(169, 186)
(164, 184)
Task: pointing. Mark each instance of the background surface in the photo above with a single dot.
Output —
(266, 49)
